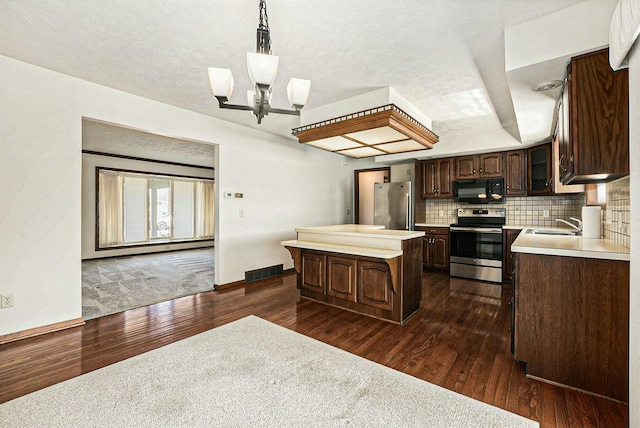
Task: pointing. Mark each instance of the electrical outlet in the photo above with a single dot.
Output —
(348, 211)
(6, 300)
(440, 213)
(241, 213)
(545, 213)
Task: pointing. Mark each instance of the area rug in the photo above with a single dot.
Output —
(117, 284)
(250, 373)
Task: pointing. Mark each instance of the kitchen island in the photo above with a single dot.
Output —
(362, 268)
(571, 312)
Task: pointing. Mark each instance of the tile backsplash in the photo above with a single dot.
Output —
(617, 214)
(521, 211)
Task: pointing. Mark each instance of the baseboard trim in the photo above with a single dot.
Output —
(286, 272)
(229, 285)
(37, 331)
(562, 385)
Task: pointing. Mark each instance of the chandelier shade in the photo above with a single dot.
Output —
(221, 82)
(298, 92)
(263, 69)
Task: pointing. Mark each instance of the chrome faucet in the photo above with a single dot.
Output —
(578, 227)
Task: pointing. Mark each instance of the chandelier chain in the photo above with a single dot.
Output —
(264, 42)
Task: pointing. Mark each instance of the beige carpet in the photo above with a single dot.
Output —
(250, 373)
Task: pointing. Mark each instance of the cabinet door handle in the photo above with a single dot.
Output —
(480, 171)
(474, 170)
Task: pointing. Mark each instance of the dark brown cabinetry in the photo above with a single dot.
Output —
(486, 165)
(594, 121)
(467, 167)
(341, 277)
(572, 326)
(389, 289)
(313, 274)
(435, 248)
(508, 260)
(515, 173)
(539, 170)
(375, 285)
(437, 178)
(491, 165)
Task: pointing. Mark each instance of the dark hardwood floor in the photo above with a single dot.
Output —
(459, 340)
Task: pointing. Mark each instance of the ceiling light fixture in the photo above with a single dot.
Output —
(547, 86)
(377, 131)
(262, 67)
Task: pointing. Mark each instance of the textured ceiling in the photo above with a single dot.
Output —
(104, 138)
(446, 57)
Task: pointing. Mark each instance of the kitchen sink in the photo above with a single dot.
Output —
(559, 232)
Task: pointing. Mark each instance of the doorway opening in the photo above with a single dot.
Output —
(160, 216)
(364, 179)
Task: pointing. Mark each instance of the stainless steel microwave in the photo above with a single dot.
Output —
(481, 191)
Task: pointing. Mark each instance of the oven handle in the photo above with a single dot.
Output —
(476, 229)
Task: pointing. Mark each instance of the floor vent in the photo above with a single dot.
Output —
(258, 274)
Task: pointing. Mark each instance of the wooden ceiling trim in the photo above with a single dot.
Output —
(378, 117)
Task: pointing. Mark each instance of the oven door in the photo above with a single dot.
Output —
(476, 253)
(483, 243)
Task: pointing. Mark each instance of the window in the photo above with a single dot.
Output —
(139, 209)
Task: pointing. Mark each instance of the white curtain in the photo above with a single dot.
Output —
(206, 220)
(110, 212)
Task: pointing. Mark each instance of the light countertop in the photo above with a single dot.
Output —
(570, 246)
(343, 249)
(362, 230)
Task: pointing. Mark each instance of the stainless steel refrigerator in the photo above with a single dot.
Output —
(393, 205)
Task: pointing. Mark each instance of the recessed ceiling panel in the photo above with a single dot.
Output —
(378, 135)
(335, 143)
(401, 146)
(362, 152)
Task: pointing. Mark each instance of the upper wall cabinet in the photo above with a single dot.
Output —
(437, 178)
(594, 121)
(515, 165)
(486, 165)
(540, 181)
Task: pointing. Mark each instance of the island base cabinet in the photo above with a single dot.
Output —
(375, 287)
(341, 277)
(572, 327)
(313, 271)
(389, 289)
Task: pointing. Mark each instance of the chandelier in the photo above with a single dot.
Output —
(262, 67)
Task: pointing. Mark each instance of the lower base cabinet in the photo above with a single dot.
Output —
(572, 327)
(341, 278)
(508, 265)
(435, 247)
(313, 272)
(388, 289)
(375, 285)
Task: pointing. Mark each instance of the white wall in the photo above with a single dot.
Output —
(89, 164)
(634, 280)
(285, 185)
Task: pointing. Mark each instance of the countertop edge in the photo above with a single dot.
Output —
(398, 235)
(542, 246)
(343, 249)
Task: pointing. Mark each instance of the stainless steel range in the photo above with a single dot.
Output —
(476, 244)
